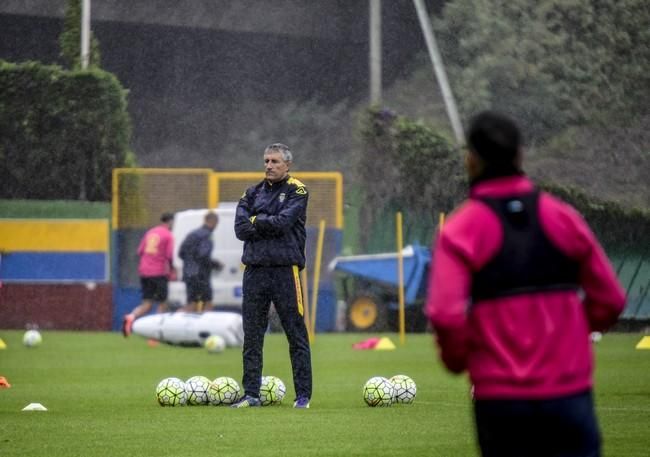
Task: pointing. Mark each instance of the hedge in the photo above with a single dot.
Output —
(408, 166)
(61, 132)
(620, 230)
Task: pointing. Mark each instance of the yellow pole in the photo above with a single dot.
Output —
(305, 302)
(115, 199)
(213, 190)
(316, 278)
(441, 221)
(400, 278)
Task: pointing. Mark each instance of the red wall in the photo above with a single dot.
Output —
(56, 306)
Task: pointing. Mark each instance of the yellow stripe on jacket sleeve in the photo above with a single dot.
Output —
(298, 287)
(54, 235)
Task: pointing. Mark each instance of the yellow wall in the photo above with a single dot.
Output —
(54, 235)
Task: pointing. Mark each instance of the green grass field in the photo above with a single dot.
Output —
(99, 391)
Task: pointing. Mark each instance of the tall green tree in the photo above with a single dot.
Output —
(549, 63)
(70, 39)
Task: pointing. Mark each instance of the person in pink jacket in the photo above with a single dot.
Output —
(156, 252)
(518, 282)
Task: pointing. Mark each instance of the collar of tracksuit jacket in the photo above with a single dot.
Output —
(275, 185)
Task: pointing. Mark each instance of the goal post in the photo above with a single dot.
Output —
(141, 195)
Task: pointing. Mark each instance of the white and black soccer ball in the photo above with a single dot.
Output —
(32, 338)
(223, 391)
(215, 344)
(196, 388)
(171, 392)
(272, 390)
(378, 391)
(404, 389)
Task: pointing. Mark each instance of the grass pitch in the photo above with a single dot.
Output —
(99, 391)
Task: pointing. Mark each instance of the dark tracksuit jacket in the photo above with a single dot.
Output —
(270, 219)
(196, 251)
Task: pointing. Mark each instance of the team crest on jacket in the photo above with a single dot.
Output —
(282, 197)
(301, 191)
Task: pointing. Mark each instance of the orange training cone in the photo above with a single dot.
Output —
(4, 384)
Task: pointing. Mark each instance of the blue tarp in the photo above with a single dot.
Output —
(383, 268)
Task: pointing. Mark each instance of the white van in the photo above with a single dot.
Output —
(226, 283)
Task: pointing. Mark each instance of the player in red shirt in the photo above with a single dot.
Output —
(156, 251)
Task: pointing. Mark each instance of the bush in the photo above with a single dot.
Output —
(62, 132)
(408, 166)
(404, 166)
(620, 230)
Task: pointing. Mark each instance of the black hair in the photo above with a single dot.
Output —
(211, 216)
(496, 139)
(166, 217)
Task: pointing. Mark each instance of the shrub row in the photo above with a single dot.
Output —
(411, 167)
(62, 132)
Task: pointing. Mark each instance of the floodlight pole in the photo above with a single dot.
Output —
(375, 51)
(85, 33)
(439, 70)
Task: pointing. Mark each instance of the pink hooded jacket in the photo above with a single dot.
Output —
(526, 346)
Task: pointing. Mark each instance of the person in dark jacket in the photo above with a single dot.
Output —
(270, 219)
(518, 282)
(196, 253)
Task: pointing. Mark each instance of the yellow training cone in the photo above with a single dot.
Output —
(644, 343)
(385, 344)
(3, 345)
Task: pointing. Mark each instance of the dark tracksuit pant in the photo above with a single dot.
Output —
(280, 285)
(560, 427)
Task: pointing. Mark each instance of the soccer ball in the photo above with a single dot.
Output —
(404, 389)
(171, 392)
(215, 343)
(32, 338)
(196, 389)
(378, 391)
(223, 391)
(595, 337)
(272, 390)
